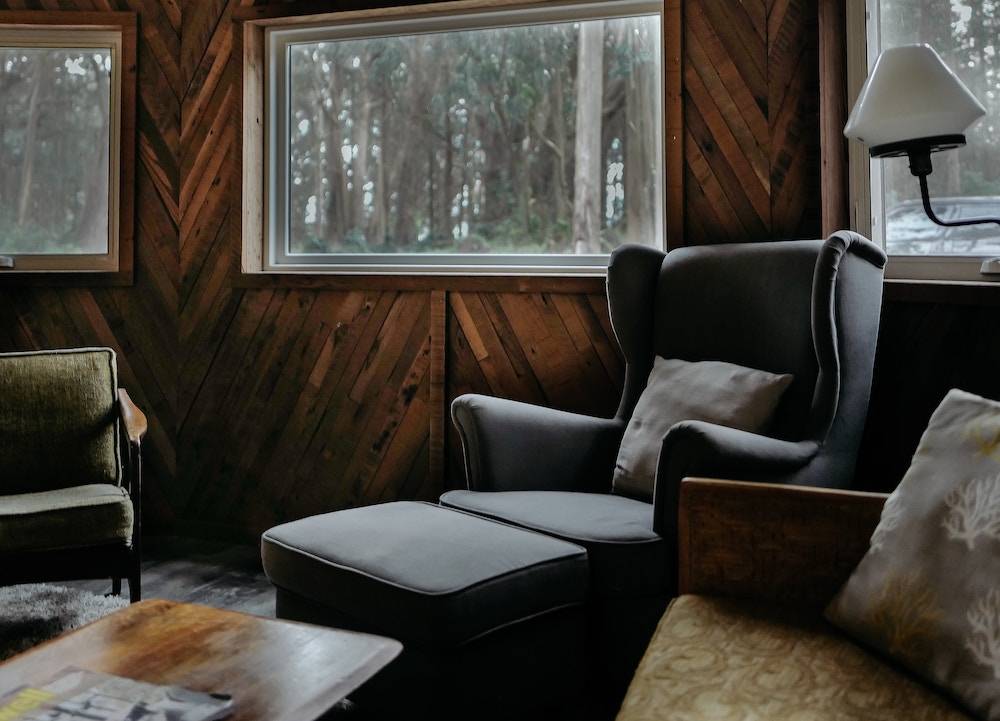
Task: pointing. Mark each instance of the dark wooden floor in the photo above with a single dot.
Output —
(206, 572)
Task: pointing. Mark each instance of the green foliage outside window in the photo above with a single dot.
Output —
(534, 139)
(54, 150)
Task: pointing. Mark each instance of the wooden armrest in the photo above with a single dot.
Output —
(763, 541)
(133, 419)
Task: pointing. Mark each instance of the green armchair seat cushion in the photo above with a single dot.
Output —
(58, 420)
(80, 516)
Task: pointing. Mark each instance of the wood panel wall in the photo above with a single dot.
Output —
(926, 347)
(271, 403)
(751, 98)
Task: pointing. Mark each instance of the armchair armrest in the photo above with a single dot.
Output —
(135, 425)
(761, 541)
(697, 448)
(133, 419)
(511, 446)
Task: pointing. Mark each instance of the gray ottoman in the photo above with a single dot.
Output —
(490, 616)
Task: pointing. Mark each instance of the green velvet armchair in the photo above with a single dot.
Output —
(70, 470)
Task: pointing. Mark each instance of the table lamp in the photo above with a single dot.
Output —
(913, 104)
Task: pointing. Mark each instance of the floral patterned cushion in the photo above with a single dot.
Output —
(724, 660)
(927, 593)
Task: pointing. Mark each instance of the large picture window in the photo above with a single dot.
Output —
(60, 138)
(519, 139)
(965, 183)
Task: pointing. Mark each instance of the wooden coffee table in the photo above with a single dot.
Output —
(274, 670)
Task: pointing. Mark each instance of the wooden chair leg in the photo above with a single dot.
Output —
(116, 586)
(134, 589)
(135, 583)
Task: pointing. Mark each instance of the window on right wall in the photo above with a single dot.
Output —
(965, 183)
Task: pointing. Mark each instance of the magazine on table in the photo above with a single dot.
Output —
(78, 695)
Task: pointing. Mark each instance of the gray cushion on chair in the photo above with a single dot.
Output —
(422, 572)
(626, 557)
(677, 390)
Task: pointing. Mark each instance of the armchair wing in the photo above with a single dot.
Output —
(696, 448)
(511, 446)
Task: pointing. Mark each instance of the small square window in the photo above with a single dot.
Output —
(61, 148)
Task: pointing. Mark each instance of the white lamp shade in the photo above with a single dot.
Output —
(911, 94)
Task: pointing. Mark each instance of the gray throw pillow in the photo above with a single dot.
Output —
(677, 390)
(927, 593)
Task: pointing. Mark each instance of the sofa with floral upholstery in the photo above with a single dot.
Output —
(746, 637)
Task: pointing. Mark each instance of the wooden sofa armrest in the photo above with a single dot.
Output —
(762, 541)
(133, 419)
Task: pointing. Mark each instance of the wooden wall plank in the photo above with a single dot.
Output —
(751, 114)
(437, 394)
(269, 403)
(793, 116)
(832, 20)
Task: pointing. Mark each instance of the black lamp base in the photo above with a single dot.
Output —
(917, 145)
(919, 151)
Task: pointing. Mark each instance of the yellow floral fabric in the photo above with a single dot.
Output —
(724, 660)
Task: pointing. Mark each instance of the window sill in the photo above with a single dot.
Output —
(461, 266)
(940, 279)
(496, 282)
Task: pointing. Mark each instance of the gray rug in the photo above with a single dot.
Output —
(33, 613)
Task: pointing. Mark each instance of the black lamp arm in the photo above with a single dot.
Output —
(925, 197)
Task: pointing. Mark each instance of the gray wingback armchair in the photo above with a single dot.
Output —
(809, 308)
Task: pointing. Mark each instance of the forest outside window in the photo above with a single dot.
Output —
(521, 140)
(60, 135)
(965, 183)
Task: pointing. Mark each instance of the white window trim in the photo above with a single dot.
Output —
(276, 41)
(863, 40)
(80, 38)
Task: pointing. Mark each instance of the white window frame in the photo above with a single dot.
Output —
(866, 179)
(80, 38)
(276, 259)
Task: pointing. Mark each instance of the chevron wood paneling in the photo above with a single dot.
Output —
(751, 128)
(793, 118)
(314, 401)
(272, 403)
